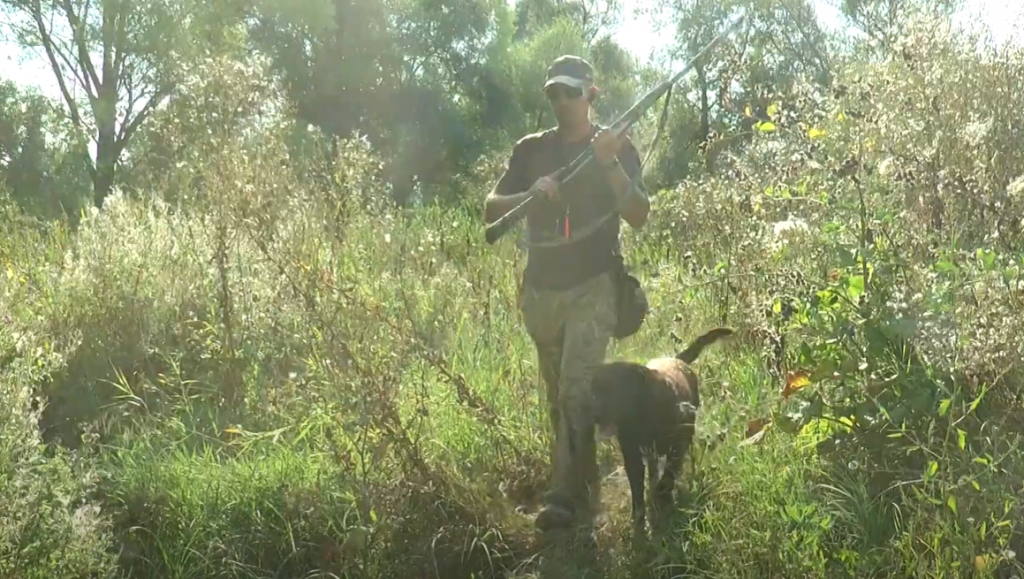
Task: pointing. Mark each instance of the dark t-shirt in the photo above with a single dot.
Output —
(588, 197)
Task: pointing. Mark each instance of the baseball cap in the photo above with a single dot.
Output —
(570, 70)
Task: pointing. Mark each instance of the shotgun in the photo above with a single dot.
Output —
(501, 226)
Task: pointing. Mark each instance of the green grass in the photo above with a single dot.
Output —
(391, 421)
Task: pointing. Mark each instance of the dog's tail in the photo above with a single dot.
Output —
(703, 341)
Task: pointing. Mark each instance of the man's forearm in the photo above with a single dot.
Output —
(631, 201)
(498, 205)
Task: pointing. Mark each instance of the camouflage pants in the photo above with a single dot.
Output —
(571, 330)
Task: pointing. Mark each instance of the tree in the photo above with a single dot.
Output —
(126, 56)
(593, 17)
(38, 172)
(780, 43)
(392, 70)
(884, 21)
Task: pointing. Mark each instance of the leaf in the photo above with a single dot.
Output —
(855, 286)
(951, 503)
(747, 112)
(756, 439)
(814, 133)
(944, 406)
(792, 422)
(961, 438)
(987, 257)
(766, 127)
(825, 370)
(756, 430)
(976, 401)
(933, 467)
(381, 450)
(945, 266)
(1010, 274)
(795, 380)
(772, 109)
(355, 541)
(756, 425)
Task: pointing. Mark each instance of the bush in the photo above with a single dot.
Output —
(50, 526)
(895, 285)
(289, 375)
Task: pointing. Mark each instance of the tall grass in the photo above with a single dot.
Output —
(289, 377)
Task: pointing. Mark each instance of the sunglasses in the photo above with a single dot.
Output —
(560, 91)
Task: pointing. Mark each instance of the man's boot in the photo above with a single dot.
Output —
(558, 512)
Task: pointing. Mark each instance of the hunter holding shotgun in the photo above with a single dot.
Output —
(575, 282)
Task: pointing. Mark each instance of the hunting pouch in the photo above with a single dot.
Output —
(631, 302)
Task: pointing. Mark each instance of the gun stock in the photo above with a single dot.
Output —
(507, 221)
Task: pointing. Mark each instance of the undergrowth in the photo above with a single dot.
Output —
(293, 378)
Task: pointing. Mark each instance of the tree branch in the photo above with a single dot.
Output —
(78, 36)
(47, 41)
(121, 40)
(60, 52)
(130, 100)
(129, 129)
(815, 48)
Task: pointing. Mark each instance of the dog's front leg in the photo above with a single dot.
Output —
(673, 465)
(678, 447)
(634, 463)
(653, 466)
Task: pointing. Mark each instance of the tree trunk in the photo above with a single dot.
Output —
(106, 160)
(105, 108)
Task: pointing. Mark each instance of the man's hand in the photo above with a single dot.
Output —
(497, 205)
(606, 146)
(630, 198)
(546, 186)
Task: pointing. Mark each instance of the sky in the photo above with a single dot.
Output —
(1003, 18)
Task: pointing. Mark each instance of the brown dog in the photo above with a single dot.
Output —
(651, 410)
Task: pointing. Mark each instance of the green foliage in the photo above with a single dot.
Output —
(42, 175)
(50, 526)
(125, 58)
(434, 87)
(299, 513)
(253, 362)
(889, 291)
(884, 21)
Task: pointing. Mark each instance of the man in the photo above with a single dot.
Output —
(569, 288)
